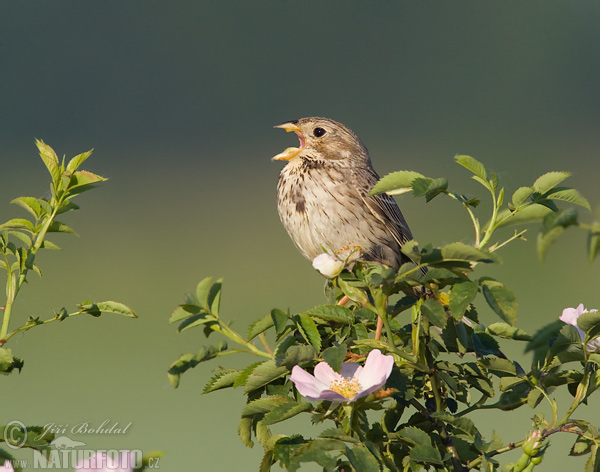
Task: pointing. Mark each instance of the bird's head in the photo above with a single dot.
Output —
(322, 139)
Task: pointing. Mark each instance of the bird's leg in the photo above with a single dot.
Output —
(343, 300)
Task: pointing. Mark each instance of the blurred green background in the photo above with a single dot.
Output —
(178, 99)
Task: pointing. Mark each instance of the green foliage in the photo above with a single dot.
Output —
(447, 363)
(20, 241)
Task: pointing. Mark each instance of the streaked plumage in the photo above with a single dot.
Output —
(322, 196)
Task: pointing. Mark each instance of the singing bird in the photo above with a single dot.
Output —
(323, 197)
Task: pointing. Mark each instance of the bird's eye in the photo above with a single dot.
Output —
(318, 132)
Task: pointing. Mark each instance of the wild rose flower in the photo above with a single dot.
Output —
(7, 467)
(354, 381)
(328, 265)
(570, 316)
(101, 462)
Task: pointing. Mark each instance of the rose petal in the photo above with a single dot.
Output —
(375, 373)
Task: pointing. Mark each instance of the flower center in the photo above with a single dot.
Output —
(348, 386)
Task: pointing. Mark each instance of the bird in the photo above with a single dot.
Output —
(323, 197)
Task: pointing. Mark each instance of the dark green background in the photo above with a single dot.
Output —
(178, 99)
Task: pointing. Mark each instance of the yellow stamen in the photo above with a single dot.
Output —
(348, 386)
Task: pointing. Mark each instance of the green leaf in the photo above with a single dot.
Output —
(589, 323)
(554, 225)
(473, 165)
(214, 297)
(76, 161)
(500, 367)
(548, 181)
(221, 380)
(332, 314)
(58, 227)
(396, 183)
(414, 435)
(203, 290)
(198, 319)
(8, 363)
(581, 447)
(183, 311)
(280, 319)
(506, 331)
(31, 204)
(434, 311)
(426, 453)
(263, 374)
(18, 224)
(264, 405)
(462, 252)
(116, 307)
(361, 459)
(520, 195)
(259, 326)
(569, 195)
(529, 214)
(50, 159)
(353, 293)
(294, 355)
(245, 431)
(285, 411)
(500, 299)
(430, 188)
(334, 356)
(189, 361)
(461, 295)
(308, 329)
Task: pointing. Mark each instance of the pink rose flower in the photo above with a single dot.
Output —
(354, 382)
(570, 316)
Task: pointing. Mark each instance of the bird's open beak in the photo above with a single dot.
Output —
(290, 152)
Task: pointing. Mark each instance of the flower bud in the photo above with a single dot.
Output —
(328, 265)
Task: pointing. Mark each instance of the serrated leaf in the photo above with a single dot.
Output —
(202, 291)
(461, 295)
(500, 367)
(221, 380)
(520, 195)
(245, 431)
(21, 236)
(501, 300)
(245, 373)
(396, 183)
(31, 204)
(199, 319)
(295, 355)
(548, 181)
(18, 224)
(308, 329)
(183, 311)
(430, 188)
(280, 319)
(76, 161)
(581, 447)
(361, 459)
(506, 331)
(434, 311)
(414, 435)
(263, 374)
(425, 453)
(473, 165)
(116, 307)
(569, 195)
(463, 252)
(50, 159)
(285, 411)
(529, 214)
(49, 245)
(332, 313)
(264, 405)
(259, 326)
(334, 356)
(58, 227)
(189, 361)
(484, 344)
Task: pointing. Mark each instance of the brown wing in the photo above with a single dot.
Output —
(385, 209)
